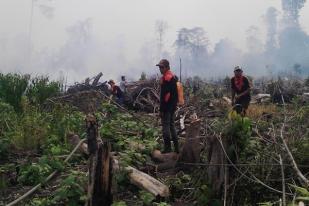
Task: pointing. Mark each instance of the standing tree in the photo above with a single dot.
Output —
(143, 76)
(160, 29)
(191, 45)
(291, 9)
(254, 42)
(270, 20)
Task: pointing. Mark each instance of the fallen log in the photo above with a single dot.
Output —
(147, 182)
(143, 180)
(159, 157)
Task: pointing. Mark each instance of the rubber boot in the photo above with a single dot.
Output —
(176, 146)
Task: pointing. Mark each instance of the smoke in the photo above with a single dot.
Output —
(291, 10)
(287, 45)
(254, 42)
(225, 56)
(271, 23)
(83, 54)
(47, 11)
(285, 50)
(12, 59)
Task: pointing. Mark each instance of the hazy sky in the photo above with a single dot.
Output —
(133, 21)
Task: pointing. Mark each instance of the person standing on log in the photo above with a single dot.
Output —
(116, 91)
(241, 88)
(168, 104)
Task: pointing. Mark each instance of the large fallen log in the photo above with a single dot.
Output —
(157, 156)
(142, 180)
(148, 183)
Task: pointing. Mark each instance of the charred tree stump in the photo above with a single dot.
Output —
(216, 159)
(192, 146)
(189, 154)
(99, 182)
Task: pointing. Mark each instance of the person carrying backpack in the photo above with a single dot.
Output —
(168, 104)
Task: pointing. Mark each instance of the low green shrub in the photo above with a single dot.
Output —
(41, 89)
(12, 88)
(72, 191)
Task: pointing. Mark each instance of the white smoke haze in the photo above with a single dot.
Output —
(47, 11)
(284, 48)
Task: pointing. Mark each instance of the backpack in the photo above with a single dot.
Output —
(181, 100)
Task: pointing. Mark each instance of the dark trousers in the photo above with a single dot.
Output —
(244, 104)
(120, 100)
(169, 131)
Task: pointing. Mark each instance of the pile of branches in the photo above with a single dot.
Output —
(141, 95)
(88, 85)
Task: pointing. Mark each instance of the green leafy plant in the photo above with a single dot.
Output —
(4, 147)
(146, 197)
(41, 89)
(31, 130)
(34, 173)
(5, 171)
(238, 133)
(133, 140)
(302, 193)
(12, 88)
(63, 120)
(162, 204)
(45, 201)
(7, 117)
(119, 203)
(71, 191)
(202, 195)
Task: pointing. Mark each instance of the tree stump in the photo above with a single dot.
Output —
(100, 175)
(192, 147)
(216, 160)
(189, 154)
